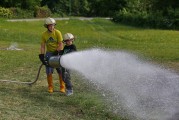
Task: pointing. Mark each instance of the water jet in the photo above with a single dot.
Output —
(147, 91)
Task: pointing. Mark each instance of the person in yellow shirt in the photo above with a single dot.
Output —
(51, 45)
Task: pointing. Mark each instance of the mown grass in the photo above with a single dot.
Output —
(25, 102)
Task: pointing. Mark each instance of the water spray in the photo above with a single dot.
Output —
(14, 46)
(147, 91)
(54, 61)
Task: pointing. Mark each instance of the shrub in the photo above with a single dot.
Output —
(19, 13)
(149, 20)
(41, 12)
(5, 12)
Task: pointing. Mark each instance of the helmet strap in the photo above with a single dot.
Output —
(49, 30)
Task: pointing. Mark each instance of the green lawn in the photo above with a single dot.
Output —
(34, 103)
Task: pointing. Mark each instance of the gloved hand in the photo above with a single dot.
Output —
(41, 57)
(60, 52)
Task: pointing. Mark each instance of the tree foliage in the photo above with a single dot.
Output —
(105, 7)
(95, 7)
(23, 4)
(72, 7)
(150, 13)
(138, 12)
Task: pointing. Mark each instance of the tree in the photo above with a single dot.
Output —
(79, 7)
(105, 7)
(23, 4)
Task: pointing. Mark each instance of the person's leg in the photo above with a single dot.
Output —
(67, 80)
(50, 83)
(49, 72)
(62, 83)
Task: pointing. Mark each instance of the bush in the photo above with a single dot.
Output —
(41, 12)
(19, 13)
(5, 12)
(149, 20)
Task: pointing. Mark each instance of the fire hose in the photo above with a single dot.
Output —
(28, 83)
(54, 61)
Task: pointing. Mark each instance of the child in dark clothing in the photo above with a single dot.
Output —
(68, 48)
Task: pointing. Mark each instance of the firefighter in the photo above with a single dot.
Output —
(68, 48)
(51, 45)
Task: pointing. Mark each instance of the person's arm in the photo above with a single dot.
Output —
(73, 48)
(59, 50)
(60, 43)
(42, 52)
(42, 48)
(60, 46)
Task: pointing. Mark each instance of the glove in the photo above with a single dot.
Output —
(60, 52)
(41, 57)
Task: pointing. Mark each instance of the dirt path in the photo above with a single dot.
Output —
(67, 18)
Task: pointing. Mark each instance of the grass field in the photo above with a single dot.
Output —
(34, 103)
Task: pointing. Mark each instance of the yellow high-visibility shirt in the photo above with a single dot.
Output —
(51, 39)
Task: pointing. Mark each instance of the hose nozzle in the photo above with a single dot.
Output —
(54, 61)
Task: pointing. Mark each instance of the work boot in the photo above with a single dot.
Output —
(62, 84)
(50, 83)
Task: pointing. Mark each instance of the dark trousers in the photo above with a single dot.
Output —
(67, 78)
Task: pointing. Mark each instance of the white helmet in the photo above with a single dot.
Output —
(68, 36)
(49, 21)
